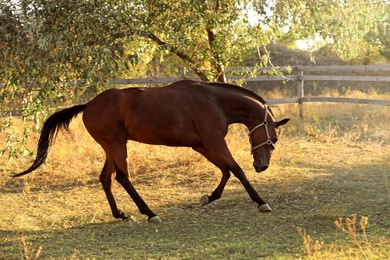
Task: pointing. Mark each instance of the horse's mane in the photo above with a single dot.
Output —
(232, 87)
(245, 91)
(239, 89)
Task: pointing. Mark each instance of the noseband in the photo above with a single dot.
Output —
(265, 124)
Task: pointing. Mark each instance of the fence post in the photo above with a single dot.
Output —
(301, 93)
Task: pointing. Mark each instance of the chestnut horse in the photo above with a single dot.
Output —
(186, 113)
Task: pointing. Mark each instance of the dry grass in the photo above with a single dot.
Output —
(330, 165)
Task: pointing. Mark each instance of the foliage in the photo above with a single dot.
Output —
(54, 49)
(206, 35)
(380, 35)
(310, 247)
(339, 24)
(349, 228)
(314, 249)
(28, 252)
(16, 141)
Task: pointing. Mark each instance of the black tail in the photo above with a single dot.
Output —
(58, 120)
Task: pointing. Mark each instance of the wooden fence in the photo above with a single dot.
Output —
(299, 76)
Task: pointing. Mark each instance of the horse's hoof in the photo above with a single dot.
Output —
(264, 208)
(204, 200)
(154, 219)
(129, 219)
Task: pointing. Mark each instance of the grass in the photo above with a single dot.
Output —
(329, 176)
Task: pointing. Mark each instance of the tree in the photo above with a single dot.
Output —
(339, 24)
(207, 35)
(380, 34)
(49, 46)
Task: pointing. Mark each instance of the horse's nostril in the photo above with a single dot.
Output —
(265, 167)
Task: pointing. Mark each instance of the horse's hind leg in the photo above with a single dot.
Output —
(217, 193)
(119, 153)
(106, 178)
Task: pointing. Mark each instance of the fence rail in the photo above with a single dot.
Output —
(364, 101)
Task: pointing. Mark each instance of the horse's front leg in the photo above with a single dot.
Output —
(262, 205)
(223, 159)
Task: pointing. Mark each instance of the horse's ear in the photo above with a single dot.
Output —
(282, 122)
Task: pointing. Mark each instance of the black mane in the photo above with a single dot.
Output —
(245, 91)
(240, 89)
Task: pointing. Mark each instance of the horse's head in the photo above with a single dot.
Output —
(263, 138)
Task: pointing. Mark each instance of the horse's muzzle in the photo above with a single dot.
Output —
(260, 167)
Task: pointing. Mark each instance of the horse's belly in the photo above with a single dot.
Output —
(164, 134)
(161, 138)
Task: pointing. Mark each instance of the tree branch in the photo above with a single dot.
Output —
(180, 54)
(217, 64)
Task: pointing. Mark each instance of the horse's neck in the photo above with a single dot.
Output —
(244, 110)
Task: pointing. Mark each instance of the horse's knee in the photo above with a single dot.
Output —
(103, 178)
(107, 175)
(121, 176)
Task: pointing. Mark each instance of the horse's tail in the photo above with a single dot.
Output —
(58, 120)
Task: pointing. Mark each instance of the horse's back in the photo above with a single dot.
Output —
(171, 115)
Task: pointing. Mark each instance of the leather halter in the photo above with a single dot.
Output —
(265, 124)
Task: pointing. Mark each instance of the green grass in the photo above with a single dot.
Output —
(334, 163)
